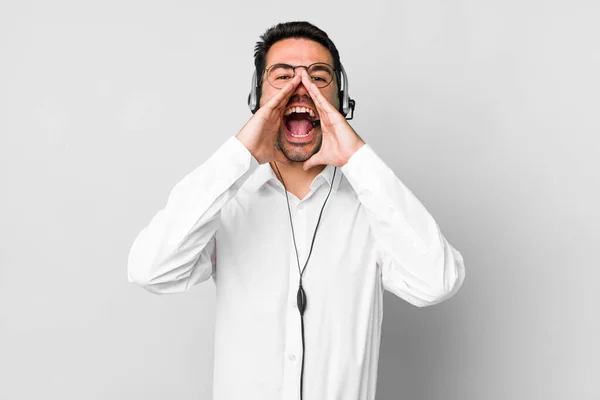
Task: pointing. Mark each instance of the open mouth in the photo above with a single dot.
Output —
(298, 122)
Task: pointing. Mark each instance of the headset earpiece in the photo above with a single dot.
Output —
(253, 97)
(346, 103)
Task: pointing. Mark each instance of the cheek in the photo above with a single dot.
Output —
(336, 101)
(265, 95)
(332, 97)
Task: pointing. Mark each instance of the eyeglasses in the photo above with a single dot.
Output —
(320, 73)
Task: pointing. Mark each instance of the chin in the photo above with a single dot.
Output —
(298, 152)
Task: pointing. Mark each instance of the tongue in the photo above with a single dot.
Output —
(299, 126)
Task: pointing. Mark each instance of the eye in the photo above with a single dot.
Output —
(320, 76)
(283, 76)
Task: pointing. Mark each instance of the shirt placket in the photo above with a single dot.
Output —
(293, 347)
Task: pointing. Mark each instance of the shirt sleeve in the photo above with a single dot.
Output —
(177, 248)
(417, 263)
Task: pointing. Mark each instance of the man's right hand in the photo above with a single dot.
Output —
(260, 132)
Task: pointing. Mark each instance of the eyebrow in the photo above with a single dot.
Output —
(315, 65)
(320, 67)
(281, 65)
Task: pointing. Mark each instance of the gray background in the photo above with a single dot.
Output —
(488, 111)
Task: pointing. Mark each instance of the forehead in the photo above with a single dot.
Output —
(295, 51)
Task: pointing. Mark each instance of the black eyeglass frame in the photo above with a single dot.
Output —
(293, 67)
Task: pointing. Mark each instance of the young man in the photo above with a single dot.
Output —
(301, 226)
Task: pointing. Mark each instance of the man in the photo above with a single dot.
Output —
(301, 226)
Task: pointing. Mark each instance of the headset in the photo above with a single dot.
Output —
(346, 103)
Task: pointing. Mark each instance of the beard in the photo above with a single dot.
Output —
(298, 152)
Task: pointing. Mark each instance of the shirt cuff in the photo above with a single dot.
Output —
(234, 151)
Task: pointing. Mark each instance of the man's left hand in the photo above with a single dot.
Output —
(340, 141)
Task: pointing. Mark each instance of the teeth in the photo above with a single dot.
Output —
(299, 110)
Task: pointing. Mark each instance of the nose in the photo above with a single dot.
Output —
(300, 89)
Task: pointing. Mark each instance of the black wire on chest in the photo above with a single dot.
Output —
(301, 295)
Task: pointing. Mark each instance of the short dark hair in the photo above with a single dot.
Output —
(285, 30)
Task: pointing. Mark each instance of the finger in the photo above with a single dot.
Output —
(311, 162)
(281, 98)
(317, 97)
(316, 94)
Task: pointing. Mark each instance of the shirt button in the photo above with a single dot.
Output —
(291, 357)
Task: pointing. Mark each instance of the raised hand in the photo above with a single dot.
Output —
(260, 132)
(340, 141)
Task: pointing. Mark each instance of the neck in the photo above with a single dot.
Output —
(294, 175)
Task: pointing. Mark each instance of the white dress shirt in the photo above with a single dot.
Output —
(228, 219)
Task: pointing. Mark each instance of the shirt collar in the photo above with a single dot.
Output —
(264, 173)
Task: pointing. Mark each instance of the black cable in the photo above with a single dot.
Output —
(302, 368)
(301, 295)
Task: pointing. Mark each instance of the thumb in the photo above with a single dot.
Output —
(311, 162)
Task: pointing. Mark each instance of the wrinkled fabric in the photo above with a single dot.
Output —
(228, 220)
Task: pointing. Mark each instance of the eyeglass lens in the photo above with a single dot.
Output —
(320, 73)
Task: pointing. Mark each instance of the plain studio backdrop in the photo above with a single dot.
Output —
(487, 110)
